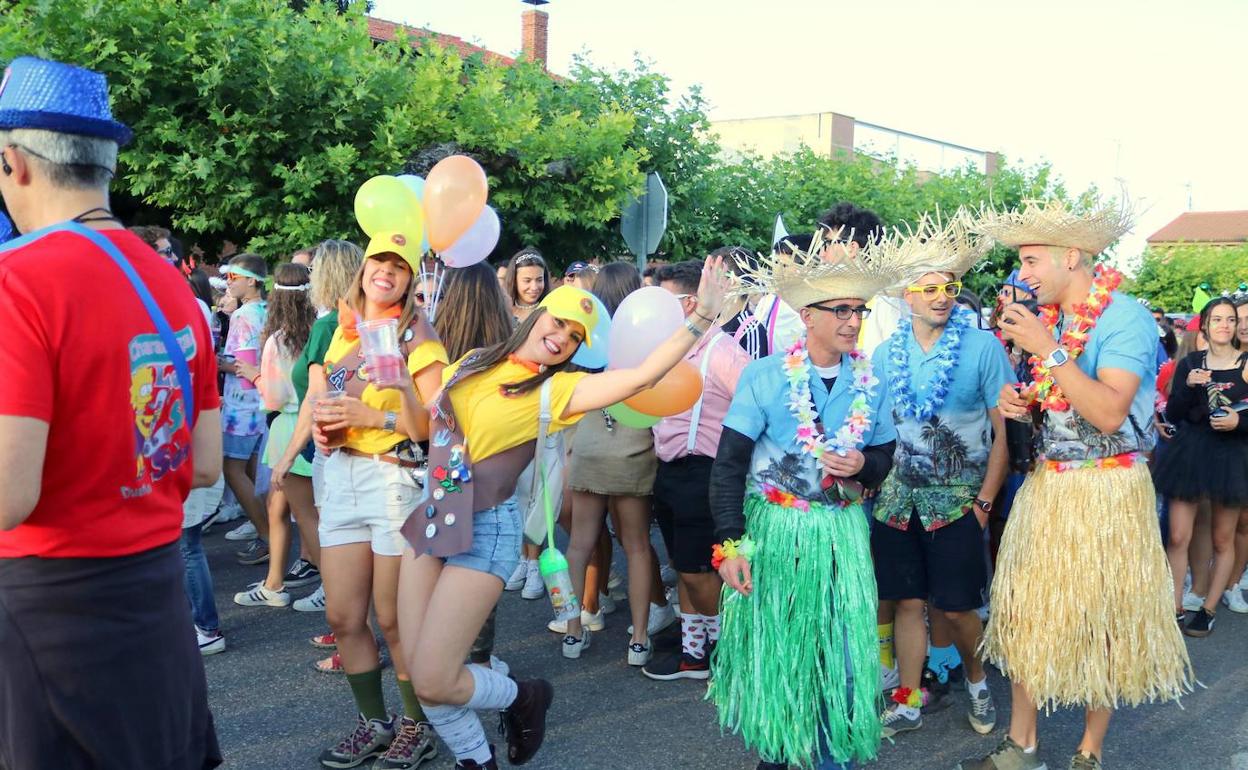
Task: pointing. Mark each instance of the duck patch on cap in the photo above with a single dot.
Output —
(586, 306)
(398, 240)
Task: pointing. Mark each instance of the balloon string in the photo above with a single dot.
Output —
(437, 287)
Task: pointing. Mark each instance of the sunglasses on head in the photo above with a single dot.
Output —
(843, 312)
(934, 290)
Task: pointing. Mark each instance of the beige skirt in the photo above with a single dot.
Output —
(1082, 602)
(620, 461)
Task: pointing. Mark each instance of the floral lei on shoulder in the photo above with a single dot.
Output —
(1043, 388)
(801, 405)
(948, 351)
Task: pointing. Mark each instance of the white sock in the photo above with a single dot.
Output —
(1031, 750)
(712, 627)
(692, 635)
(491, 690)
(977, 688)
(460, 729)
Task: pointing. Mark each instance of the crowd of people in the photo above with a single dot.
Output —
(853, 511)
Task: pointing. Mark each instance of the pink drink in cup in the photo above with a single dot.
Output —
(379, 341)
(247, 356)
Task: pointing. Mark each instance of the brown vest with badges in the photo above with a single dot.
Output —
(455, 486)
(349, 373)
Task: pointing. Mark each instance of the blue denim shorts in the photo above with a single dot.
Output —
(241, 447)
(496, 536)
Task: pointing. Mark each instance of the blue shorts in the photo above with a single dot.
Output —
(496, 536)
(241, 447)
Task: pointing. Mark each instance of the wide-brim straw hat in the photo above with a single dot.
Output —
(933, 245)
(1055, 223)
(802, 278)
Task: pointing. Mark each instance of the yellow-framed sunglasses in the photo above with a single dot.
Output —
(934, 290)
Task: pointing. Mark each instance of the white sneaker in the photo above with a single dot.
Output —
(615, 580)
(499, 666)
(890, 679)
(259, 596)
(639, 653)
(516, 581)
(667, 575)
(606, 605)
(573, 647)
(1234, 601)
(244, 531)
(593, 622)
(534, 588)
(210, 644)
(1192, 602)
(660, 618)
(1243, 581)
(313, 602)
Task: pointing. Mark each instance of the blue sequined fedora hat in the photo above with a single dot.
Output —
(38, 93)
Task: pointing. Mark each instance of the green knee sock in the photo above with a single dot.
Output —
(366, 689)
(411, 704)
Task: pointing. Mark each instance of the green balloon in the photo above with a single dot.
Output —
(629, 417)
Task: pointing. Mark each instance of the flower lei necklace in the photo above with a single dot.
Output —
(1074, 339)
(802, 407)
(947, 352)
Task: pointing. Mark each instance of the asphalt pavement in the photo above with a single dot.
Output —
(273, 712)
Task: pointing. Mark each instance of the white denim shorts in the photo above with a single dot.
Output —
(319, 459)
(366, 501)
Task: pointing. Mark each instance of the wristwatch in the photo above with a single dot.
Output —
(985, 505)
(391, 423)
(1056, 358)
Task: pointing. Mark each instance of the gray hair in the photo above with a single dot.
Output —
(69, 161)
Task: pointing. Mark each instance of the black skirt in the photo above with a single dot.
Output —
(1201, 463)
(100, 668)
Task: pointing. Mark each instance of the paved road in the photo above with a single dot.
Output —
(274, 712)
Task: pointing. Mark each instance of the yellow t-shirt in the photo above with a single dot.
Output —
(494, 423)
(376, 440)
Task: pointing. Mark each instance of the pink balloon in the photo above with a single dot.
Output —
(476, 244)
(643, 320)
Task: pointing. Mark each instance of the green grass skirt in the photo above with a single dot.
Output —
(779, 675)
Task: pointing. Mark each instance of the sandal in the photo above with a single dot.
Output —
(324, 641)
(330, 665)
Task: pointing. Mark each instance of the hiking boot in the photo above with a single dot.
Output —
(1200, 625)
(983, 713)
(523, 723)
(1007, 756)
(1081, 761)
(413, 745)
(894, 721)
(369, 739)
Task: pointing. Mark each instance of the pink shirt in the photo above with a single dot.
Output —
(728, 359)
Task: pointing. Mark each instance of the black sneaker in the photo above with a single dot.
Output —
(301, 573)
(1200, 625)
(935, 692)
(469, 764)
(763, 765)
(524, 721)
(677, 665)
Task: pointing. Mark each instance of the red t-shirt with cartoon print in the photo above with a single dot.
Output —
(80, 352)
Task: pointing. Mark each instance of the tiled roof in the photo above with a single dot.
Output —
(1205, 227)
(382, 30)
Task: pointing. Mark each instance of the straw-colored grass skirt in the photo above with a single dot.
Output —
(1082, 601)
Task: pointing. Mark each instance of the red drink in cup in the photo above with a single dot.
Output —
(338, 436)
(379, 341)
(385, 369)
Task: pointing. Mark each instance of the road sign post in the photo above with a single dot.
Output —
(644, 220)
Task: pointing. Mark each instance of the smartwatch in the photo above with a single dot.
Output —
(985, 505)
(392, 422)
(1056, 358)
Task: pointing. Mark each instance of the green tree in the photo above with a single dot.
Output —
(1169, 275)
(342, 6)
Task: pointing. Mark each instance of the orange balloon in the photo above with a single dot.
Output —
(677, 392)
(455, 193)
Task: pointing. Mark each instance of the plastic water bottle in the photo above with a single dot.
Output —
(554, 569)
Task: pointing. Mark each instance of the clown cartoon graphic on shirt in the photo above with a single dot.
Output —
(161, 443)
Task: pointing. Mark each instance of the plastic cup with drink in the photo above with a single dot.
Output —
(379, 342)
(249, 356)
(334, 437)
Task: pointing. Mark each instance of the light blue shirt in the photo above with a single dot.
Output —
(760, 411)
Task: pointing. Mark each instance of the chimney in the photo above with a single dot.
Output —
(533, 33)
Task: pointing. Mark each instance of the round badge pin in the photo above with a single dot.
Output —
(431, 530)
(438, 494)
(430, 511)
(449, 520)
(408, 335)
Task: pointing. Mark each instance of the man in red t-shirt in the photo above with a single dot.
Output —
(100, 667)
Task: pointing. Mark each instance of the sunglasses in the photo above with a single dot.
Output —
(843, 312)
(934, 290)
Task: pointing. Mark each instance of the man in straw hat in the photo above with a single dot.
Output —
(1081, 604)
(805, 433)
(109, 414)
(943, 376)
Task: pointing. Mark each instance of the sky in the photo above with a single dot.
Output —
(1150, 93)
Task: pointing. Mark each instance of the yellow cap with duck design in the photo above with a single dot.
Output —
(569, 303)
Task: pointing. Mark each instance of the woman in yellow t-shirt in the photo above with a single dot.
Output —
(369, 491)
(466, 531)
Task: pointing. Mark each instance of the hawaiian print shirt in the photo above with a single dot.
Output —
(940, 463)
